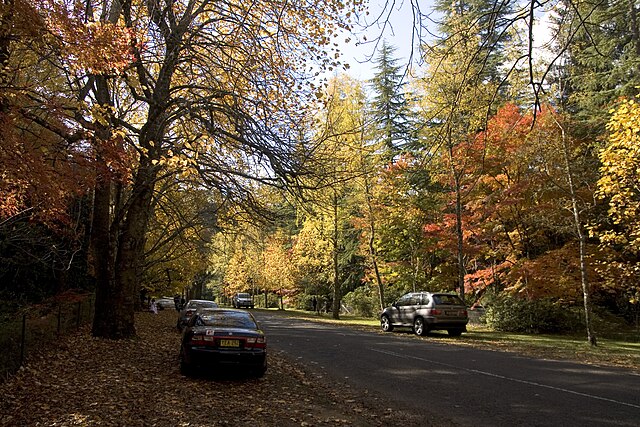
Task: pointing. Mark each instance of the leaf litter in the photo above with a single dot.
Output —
(87, 381)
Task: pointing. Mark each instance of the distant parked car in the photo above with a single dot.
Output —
(241, 300)
(165, 304)
(426, 311)
(190, 308)
(225, 336)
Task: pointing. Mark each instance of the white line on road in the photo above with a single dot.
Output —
(489, 374)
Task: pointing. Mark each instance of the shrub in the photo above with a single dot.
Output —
(511, 314)
(362, 301)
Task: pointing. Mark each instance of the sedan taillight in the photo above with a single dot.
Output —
(256, 342)
(202, 339)
(197, 338)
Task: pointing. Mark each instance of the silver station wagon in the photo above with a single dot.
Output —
(426, 311)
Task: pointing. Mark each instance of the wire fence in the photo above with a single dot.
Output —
(24, 332)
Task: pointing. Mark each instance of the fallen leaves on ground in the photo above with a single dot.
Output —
(86, 381)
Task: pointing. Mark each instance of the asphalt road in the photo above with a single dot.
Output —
(467, 386)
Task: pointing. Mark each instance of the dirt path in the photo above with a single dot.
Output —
(84, 381)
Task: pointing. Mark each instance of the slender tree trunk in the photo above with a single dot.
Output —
(373, 253)
(374, 261)
(106, 294)
(6, 24)
(416, 272)
(459, 237)
(586, 294)
(336, 268)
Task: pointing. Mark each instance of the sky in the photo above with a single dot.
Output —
(397, 34)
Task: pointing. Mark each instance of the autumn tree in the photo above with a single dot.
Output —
(209, 90)
(406, 198)
(329, 199)
(311, 257)
(618, 186)
(277, 271)
(180, 232)
(462, 84)
(47, 166)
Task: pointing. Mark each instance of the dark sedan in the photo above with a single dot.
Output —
(190, 308)
(223, 337)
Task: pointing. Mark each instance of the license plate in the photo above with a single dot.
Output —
(229, 343)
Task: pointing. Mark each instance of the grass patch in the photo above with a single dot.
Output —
(623, 351)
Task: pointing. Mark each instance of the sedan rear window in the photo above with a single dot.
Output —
(202, 304)
(228, 320)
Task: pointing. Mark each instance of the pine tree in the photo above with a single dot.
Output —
(390, 114)
(602, 61)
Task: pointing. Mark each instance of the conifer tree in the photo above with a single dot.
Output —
(390, 114)
(602, 61)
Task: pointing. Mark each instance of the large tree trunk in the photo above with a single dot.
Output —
(108, 296)
(116, 299)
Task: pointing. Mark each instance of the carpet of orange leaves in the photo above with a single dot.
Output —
(85, 381)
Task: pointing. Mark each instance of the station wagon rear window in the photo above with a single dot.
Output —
(447, 300)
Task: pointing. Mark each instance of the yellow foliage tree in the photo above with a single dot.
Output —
(618, 184)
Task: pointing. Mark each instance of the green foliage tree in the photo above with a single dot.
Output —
(390, 113)
(602, 61)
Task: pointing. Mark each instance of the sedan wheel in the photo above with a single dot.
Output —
(385, 323)
(419, 327)
(185, 368)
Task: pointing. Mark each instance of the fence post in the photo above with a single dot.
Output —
(22, 339)
(59, 317)
(79, 315)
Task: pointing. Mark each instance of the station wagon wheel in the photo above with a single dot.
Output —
(385, 323)
(419, 327)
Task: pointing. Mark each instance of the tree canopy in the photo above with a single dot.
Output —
(171, 147)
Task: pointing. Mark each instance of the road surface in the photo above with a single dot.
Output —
(468, 386)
